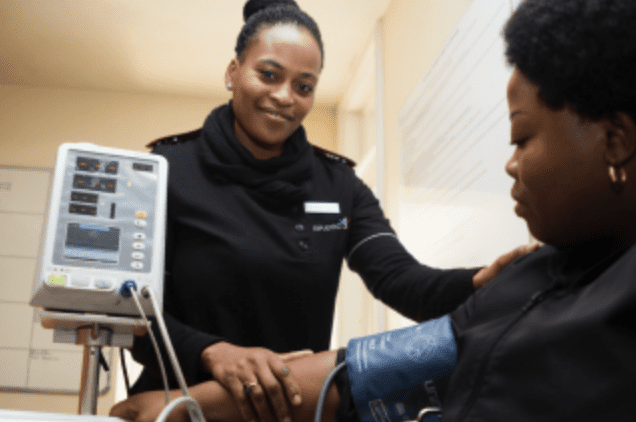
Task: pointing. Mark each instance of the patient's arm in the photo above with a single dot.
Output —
(309, 371)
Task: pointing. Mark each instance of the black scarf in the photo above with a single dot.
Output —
(284, 179)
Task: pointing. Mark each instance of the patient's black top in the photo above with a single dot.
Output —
(255, 248)
(552, 338)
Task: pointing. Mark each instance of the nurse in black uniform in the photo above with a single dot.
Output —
(259, 222)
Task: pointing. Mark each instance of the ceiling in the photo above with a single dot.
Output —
(175, 47)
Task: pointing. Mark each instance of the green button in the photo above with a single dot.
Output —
(57, 279)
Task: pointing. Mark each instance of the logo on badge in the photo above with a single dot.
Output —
(342, 224)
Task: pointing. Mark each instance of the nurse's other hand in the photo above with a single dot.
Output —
(256, 378)
(486, 274)
(146, 407)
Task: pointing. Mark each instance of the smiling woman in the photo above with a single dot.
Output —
(273, 86)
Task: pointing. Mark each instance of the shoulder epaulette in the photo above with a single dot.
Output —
(175, 139)
(336, 157)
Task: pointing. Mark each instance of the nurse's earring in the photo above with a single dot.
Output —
(618, 177)
(228, 86)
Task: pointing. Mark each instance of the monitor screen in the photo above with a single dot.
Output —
(92, 242)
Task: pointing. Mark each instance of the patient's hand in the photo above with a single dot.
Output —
(146, 407)
(486, 274)
(218, 403)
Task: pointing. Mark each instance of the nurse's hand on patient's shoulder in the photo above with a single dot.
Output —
(256, 378)
(486, 274)
(146, 407)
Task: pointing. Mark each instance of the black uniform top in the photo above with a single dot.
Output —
(255, 248)
(552, 338)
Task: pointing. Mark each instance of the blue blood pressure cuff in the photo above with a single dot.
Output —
(393, 375)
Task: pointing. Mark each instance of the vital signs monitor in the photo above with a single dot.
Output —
(105, 227)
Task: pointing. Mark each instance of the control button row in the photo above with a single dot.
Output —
(80, 281)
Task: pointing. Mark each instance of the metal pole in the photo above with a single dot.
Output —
(93, 339)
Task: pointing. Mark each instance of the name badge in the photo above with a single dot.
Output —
(322, 208)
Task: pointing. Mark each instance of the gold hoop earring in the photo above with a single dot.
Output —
(618, 178)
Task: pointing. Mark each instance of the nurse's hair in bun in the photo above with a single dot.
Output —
(262, 14)
(253, 6)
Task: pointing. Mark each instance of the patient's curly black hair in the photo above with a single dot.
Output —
(580, 52)
(261, 14)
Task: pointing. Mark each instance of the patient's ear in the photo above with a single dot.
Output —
(620, 133)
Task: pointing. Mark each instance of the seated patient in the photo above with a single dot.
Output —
(553, 337)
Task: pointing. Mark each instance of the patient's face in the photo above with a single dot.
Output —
(560, 175)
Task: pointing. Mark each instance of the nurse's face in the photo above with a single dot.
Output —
(561, 183)
(273, 87)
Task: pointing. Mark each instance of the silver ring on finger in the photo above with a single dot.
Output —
(249, 387)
